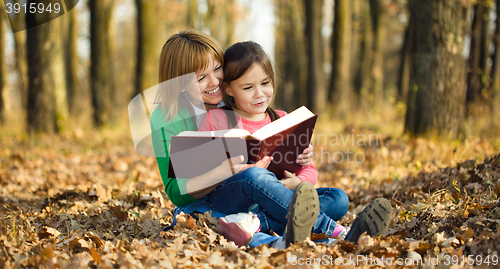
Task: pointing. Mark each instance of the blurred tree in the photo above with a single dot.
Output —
(148, 44)
(378, 10)
(101, 74)
(437, 73)
(221, 18)
(404, 67)
(479, 51)
(340, 78)
(192, 15)
(356, 41)
(316, 83)
(495, 68)
(71, 63)
(3, 73)
(46, 104)
(21, 61)
(291, 86)
(364, 75)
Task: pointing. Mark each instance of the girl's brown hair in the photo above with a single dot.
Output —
(237, 60)
(182, 55)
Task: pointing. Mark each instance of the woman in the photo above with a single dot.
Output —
(190, 75)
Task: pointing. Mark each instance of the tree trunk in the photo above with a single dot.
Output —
(3, 94)
(148, 44)
(101, 68)
(364, 76)
(404, 69)
(192, 13)
(316, 88)
(380, 27)
(21, 60)
(71, 65)
(356, 40)
(340, 79)
(291, 92)
(495, 69)
(41, 49)
(485, 45)
(475, 72)
(437, 73)
(221, 17)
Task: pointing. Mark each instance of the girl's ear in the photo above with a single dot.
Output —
(227, 89)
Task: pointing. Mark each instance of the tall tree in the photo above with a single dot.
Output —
(340, 79)
(192, 14)
(485, 44)
(221, 18)
(495, 68)
(45, 72)
(379, 18)
(148, 44)
(364, 76)
(316, 88)
(291, 89)
(404, 68)
(2, 64)
(19, 20)
(356, 41)
(100, 56)
(71, 63)
(477, 55)
(437, 72)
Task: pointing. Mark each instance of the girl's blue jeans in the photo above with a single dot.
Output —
(242, 191)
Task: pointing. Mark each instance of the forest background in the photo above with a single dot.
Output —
(407, 94)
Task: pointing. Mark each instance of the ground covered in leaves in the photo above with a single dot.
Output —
(88, 200)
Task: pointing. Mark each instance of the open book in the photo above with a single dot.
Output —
(194, 153)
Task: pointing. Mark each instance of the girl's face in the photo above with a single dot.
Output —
(208, 82)
(252, 93)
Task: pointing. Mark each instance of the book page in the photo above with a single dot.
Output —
(219, 133)
(297, 116)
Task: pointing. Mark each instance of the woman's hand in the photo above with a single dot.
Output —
(304, 158)
(290, 181)
(264, 162)
(234, 165)
(231, 166)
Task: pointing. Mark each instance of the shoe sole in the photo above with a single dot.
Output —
(303, 211)
(233, 232)
(373, 220)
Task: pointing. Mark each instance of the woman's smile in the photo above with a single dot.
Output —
(213, 92)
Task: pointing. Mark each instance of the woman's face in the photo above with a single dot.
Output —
(208, 83)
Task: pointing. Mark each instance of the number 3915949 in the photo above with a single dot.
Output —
(32, 8)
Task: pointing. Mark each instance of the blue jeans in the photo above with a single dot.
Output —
(242, 191)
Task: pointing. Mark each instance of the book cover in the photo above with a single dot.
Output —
(195, 153)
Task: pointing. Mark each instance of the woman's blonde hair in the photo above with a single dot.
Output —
(182, 55)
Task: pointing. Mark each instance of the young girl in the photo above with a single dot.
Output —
(248, 87)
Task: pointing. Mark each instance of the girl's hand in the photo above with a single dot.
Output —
(290, 181)
(304, 158)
